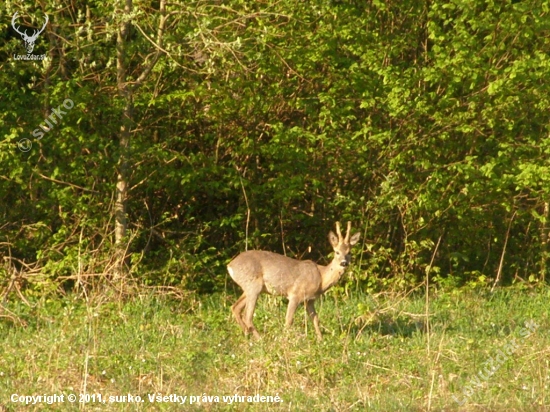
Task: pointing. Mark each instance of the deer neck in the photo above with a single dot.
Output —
(330, 274)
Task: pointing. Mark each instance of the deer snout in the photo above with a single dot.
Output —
(346, 261)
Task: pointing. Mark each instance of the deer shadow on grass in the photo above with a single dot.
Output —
(388, 325)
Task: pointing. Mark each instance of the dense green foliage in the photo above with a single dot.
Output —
(264, 122)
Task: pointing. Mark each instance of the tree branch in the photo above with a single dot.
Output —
(158, 45)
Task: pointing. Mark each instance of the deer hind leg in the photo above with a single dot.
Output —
(293, 303)
(251, 299)
(237, 309)
(310, 307)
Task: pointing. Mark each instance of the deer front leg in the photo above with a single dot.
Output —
(310, 307)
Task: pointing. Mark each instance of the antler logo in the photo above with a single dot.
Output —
(29, 40)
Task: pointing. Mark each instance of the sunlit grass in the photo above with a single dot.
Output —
(376, 354)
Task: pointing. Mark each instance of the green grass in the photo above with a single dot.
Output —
(379, 353)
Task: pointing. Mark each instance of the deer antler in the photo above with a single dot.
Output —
(348, 233)
(338, 232)
(15, 16)
(43, 27)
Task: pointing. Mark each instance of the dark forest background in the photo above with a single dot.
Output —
(200, 128)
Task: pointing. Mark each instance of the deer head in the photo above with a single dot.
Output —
(342, 245)
(29, 40)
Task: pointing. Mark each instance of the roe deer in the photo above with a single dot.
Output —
(258, 271)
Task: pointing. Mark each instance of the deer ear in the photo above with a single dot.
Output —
(355, 238)
(333, 239)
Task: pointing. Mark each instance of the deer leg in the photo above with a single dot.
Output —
(237, 309)
(293, 303)
(310, 307)
(251, 300)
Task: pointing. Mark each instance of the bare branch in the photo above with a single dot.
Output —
(67, 183)
(158, 44)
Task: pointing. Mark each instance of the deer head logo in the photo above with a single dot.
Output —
(29, 40)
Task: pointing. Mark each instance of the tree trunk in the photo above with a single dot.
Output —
(124, 144)
(126, 92)
(122, 175)
(544, 242)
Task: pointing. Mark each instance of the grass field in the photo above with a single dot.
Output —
(469, 351)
